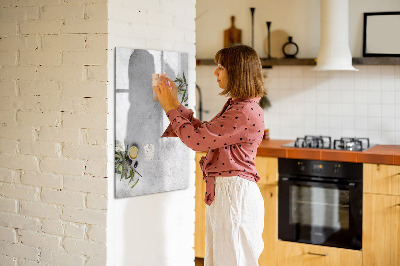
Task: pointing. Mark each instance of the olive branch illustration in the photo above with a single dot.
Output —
(182, 87)
(123, 166)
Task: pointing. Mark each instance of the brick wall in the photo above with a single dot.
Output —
(53, 111)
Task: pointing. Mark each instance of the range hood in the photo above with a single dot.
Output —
(334, 51)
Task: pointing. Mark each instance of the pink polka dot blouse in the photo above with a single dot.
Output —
(231, 139)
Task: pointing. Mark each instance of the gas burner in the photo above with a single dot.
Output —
(324, 142)
(321, 142)
(351, 144)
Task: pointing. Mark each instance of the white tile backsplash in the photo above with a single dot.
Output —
(364, 103)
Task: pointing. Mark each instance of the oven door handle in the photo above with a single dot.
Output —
(330, 184)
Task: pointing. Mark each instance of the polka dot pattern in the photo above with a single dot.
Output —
(231, 139)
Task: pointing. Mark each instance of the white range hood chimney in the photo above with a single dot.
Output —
(334, 51)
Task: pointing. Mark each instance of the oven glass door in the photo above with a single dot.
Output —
(322, 213)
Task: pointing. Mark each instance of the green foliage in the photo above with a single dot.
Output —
(123, 166)
(182, 87)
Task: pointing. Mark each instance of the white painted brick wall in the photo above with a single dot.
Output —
(53, 111)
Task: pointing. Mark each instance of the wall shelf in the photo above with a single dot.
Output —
(312, 61)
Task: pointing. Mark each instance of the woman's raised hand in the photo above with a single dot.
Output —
(164, 95)
(174, 89)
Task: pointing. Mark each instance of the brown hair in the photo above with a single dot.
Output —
(245, 78)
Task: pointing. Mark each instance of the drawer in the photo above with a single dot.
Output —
(381, 179)
(293, 254)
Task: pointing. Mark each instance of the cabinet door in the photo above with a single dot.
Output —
(267, 168)
(270, 233)
(200, 207)
(381, 179)
(381, 230)
(297, 254)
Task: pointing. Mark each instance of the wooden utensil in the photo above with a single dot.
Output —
(232, 35)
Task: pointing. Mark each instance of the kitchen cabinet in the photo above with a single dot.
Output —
(381, 230)
(267, 168)
(200, 207)
(381, 215)
(291, 253)
(381, 179)
(270, 233)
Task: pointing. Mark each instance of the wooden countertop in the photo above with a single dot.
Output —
(379, 154)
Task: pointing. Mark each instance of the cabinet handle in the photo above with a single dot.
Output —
(318, 254)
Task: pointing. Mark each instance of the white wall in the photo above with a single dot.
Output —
(53, 108)
(153, 229)
(338, 104)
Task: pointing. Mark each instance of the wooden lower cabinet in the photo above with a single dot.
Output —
(381, 230)
(270, 233)
(381, 179)
(298, 254)
(200, 207)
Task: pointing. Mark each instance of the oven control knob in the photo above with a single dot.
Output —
(336, 169)
(302, 167)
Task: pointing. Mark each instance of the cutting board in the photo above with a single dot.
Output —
(232, 35)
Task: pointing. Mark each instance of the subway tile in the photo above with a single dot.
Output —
(374, 83)
(322, 121)
(348, 122)
(310, 95)
(388, 84)
(310, 108)
(360, 124)
(335, 95)
(347, 109)
(397, 72)
(374, 97)
(388, 97)
(361, 110)
(296, 72)
(388, 124)
(388, 110)
(297, 83)
(334, 109)
(322, 109)
(387, 71)
(348, 132)
(373, 70)
(397, 123)
(322, 96)
(335, 122)
(361, 97)
(375, 136)
(388, 137)
(321, 83)
(374, 110)
(374, 123)
(348, 96)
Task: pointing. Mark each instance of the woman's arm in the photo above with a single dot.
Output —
(186, 113)
(228, 129)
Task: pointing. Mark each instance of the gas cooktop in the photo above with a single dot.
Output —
(325, 142)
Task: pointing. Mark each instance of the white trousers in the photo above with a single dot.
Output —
(234, 223)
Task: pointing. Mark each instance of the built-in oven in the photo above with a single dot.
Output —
(320, 202)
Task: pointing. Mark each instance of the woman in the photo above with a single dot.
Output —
(235, 207)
